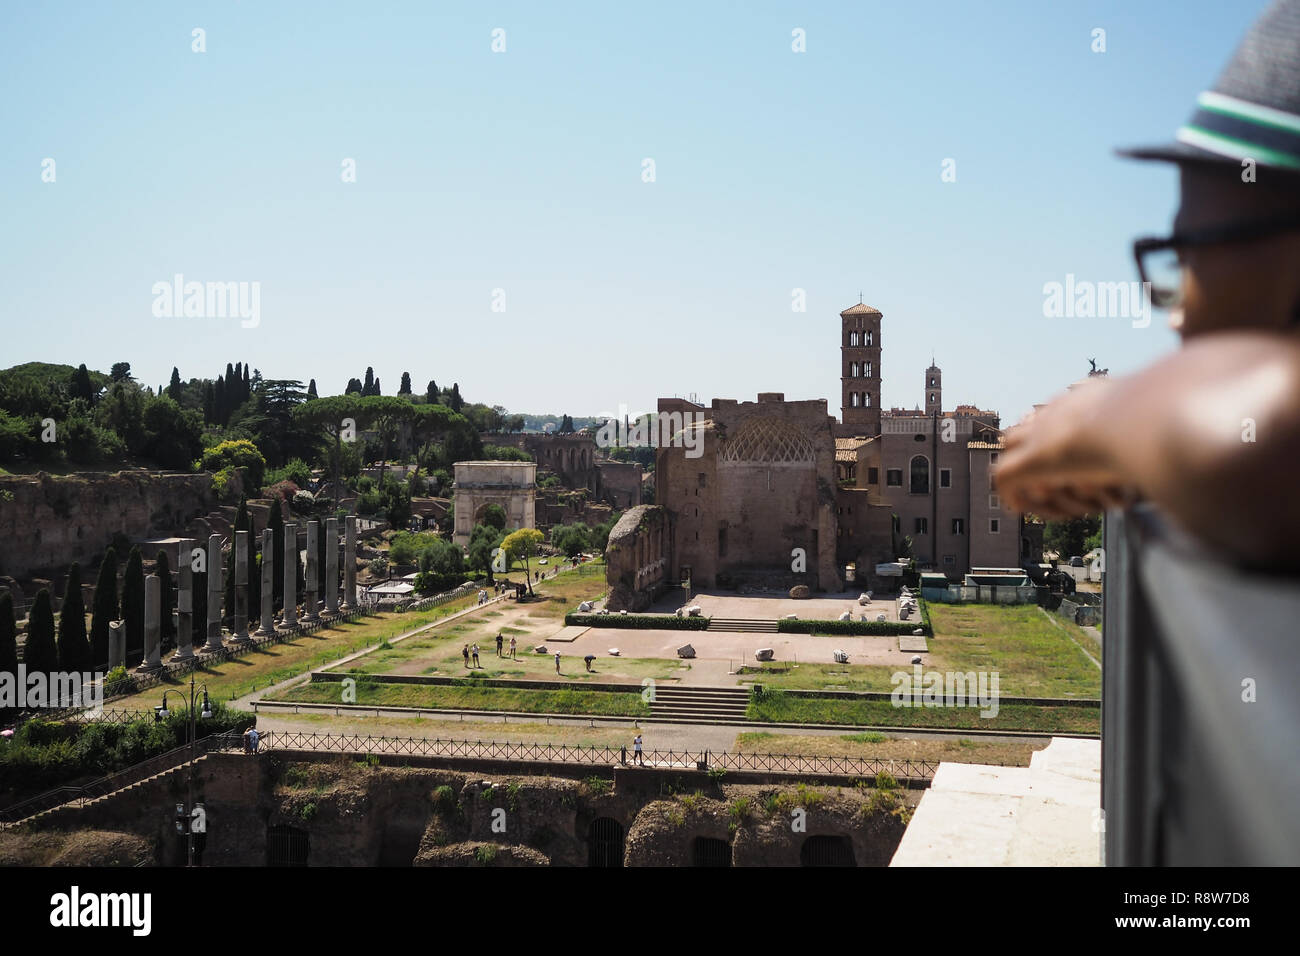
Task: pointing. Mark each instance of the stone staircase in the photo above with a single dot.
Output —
(700, 705)
(82, 801)
(743, 625)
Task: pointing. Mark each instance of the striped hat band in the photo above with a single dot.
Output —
(1241, 130)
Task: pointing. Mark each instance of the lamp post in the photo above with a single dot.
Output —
(185, 814)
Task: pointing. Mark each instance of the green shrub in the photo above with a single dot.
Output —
(848, 628)
(665, 622)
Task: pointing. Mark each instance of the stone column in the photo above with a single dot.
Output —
(184, 601)
(350, 564)
(152, 623)
(331, 565)
(116, 644)
(214, 593)
(268, 584)
(290, 617)
(310, 612)
(241, 586)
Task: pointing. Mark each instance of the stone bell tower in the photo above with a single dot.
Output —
(860, 371)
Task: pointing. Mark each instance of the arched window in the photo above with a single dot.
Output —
(866, 399)
(932, 381)
(920, 475)
(853, 399)
(866, 370)
(853, 339)
(853, 370)
(870, 338)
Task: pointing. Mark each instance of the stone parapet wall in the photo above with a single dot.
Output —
(49, 521)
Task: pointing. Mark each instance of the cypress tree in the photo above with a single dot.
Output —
(248, 388)
(377, 391)
(105, 609)
(221, 412)
(276, 524)
(405, 387)
(133, 607)
(174, 386)
(81, 384)
(8, 639)
(456, 401)
(311, 390)
(41, 655)
(74, 649)
(166, 602)
(369, 386)
(431, 393)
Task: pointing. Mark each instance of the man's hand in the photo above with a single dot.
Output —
(1057, 462)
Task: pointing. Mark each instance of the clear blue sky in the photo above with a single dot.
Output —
(522, 171)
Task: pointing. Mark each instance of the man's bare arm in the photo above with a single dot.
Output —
(1210, 434)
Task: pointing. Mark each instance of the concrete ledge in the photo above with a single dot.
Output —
(1046, 814)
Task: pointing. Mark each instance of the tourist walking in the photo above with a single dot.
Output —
(512, 648)
(636, 749)
(464, 651)
(557, 662)
(474, 652)
(500, 643)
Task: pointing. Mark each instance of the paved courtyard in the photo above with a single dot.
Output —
(770, 607)
(730, 646)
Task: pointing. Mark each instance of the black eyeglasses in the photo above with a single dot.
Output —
(1159, 264)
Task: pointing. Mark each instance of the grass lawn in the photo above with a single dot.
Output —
(777, 707)
(871, 744)
(1033, 657)
(443, 659)
(784, 675)
(438, 652)
(573, 736)
(467, 697)
(273, 663)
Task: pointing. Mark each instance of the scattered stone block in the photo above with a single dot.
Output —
(800, 591)
(765, 653)
(686, 650)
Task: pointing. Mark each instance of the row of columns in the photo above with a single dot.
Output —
(216, 589)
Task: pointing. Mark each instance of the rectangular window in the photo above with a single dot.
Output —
(958, 525)
(945, 477)
(894, 477)
(994, 525)
(922, 526)
(703, 479)
(873, 476)
(950, 559)
(993, 458)
(722, 542)
(896, 524)
(995, 503)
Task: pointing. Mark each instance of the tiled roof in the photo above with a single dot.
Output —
(861, 309)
